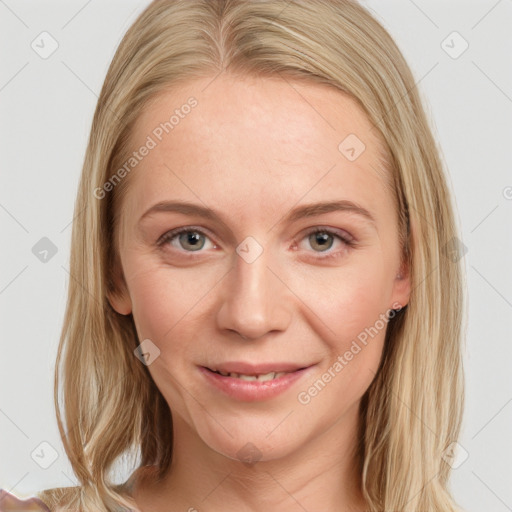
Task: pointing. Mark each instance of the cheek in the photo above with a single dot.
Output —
(346, 300)
(166, 303)
(165, 307)
(348, 311)
(154, 304)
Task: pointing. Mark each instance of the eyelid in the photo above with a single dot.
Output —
(341, 233)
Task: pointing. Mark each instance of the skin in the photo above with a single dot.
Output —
(253, 149)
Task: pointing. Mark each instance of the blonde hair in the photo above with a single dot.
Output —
(412, 411)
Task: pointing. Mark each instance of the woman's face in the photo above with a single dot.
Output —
(248, 287)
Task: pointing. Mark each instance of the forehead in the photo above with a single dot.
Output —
(245, 142)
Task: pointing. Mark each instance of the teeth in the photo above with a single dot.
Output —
(260, 378)
(244, 377)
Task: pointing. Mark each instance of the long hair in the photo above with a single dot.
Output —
(413, 409)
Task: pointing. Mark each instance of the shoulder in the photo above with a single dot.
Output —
(11, 503)
(59, 499)
(48, 500)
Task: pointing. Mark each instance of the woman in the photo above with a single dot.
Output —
(307, 355)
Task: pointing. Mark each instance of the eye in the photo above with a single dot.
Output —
(323, 239)
(189, 239)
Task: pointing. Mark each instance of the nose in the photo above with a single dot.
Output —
(255, 300)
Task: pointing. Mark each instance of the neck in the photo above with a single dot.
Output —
(323, 475)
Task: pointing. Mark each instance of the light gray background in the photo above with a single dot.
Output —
(46, 107)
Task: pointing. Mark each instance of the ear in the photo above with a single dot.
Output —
(120, 302)
(401, 286)
(119, 297)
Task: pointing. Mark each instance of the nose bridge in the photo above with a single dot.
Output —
(254, 303)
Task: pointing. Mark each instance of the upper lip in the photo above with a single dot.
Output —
(244, 368)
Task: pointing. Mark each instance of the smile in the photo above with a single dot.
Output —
(261, 377)
(250, 383)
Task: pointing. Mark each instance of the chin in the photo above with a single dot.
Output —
(249, 441)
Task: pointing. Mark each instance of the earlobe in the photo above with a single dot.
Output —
(402, 286)
(117, 292)
(120, 302)
(119, 297)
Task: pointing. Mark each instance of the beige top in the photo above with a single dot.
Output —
(10, 503)
(47, 500)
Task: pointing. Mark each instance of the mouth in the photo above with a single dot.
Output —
(255, 371)
(253, 382)
(261, 377)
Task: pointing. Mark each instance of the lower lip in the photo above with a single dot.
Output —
(252, 390)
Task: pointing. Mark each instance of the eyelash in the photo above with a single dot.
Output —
(348, 242)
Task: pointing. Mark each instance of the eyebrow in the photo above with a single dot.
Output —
(300, 212)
